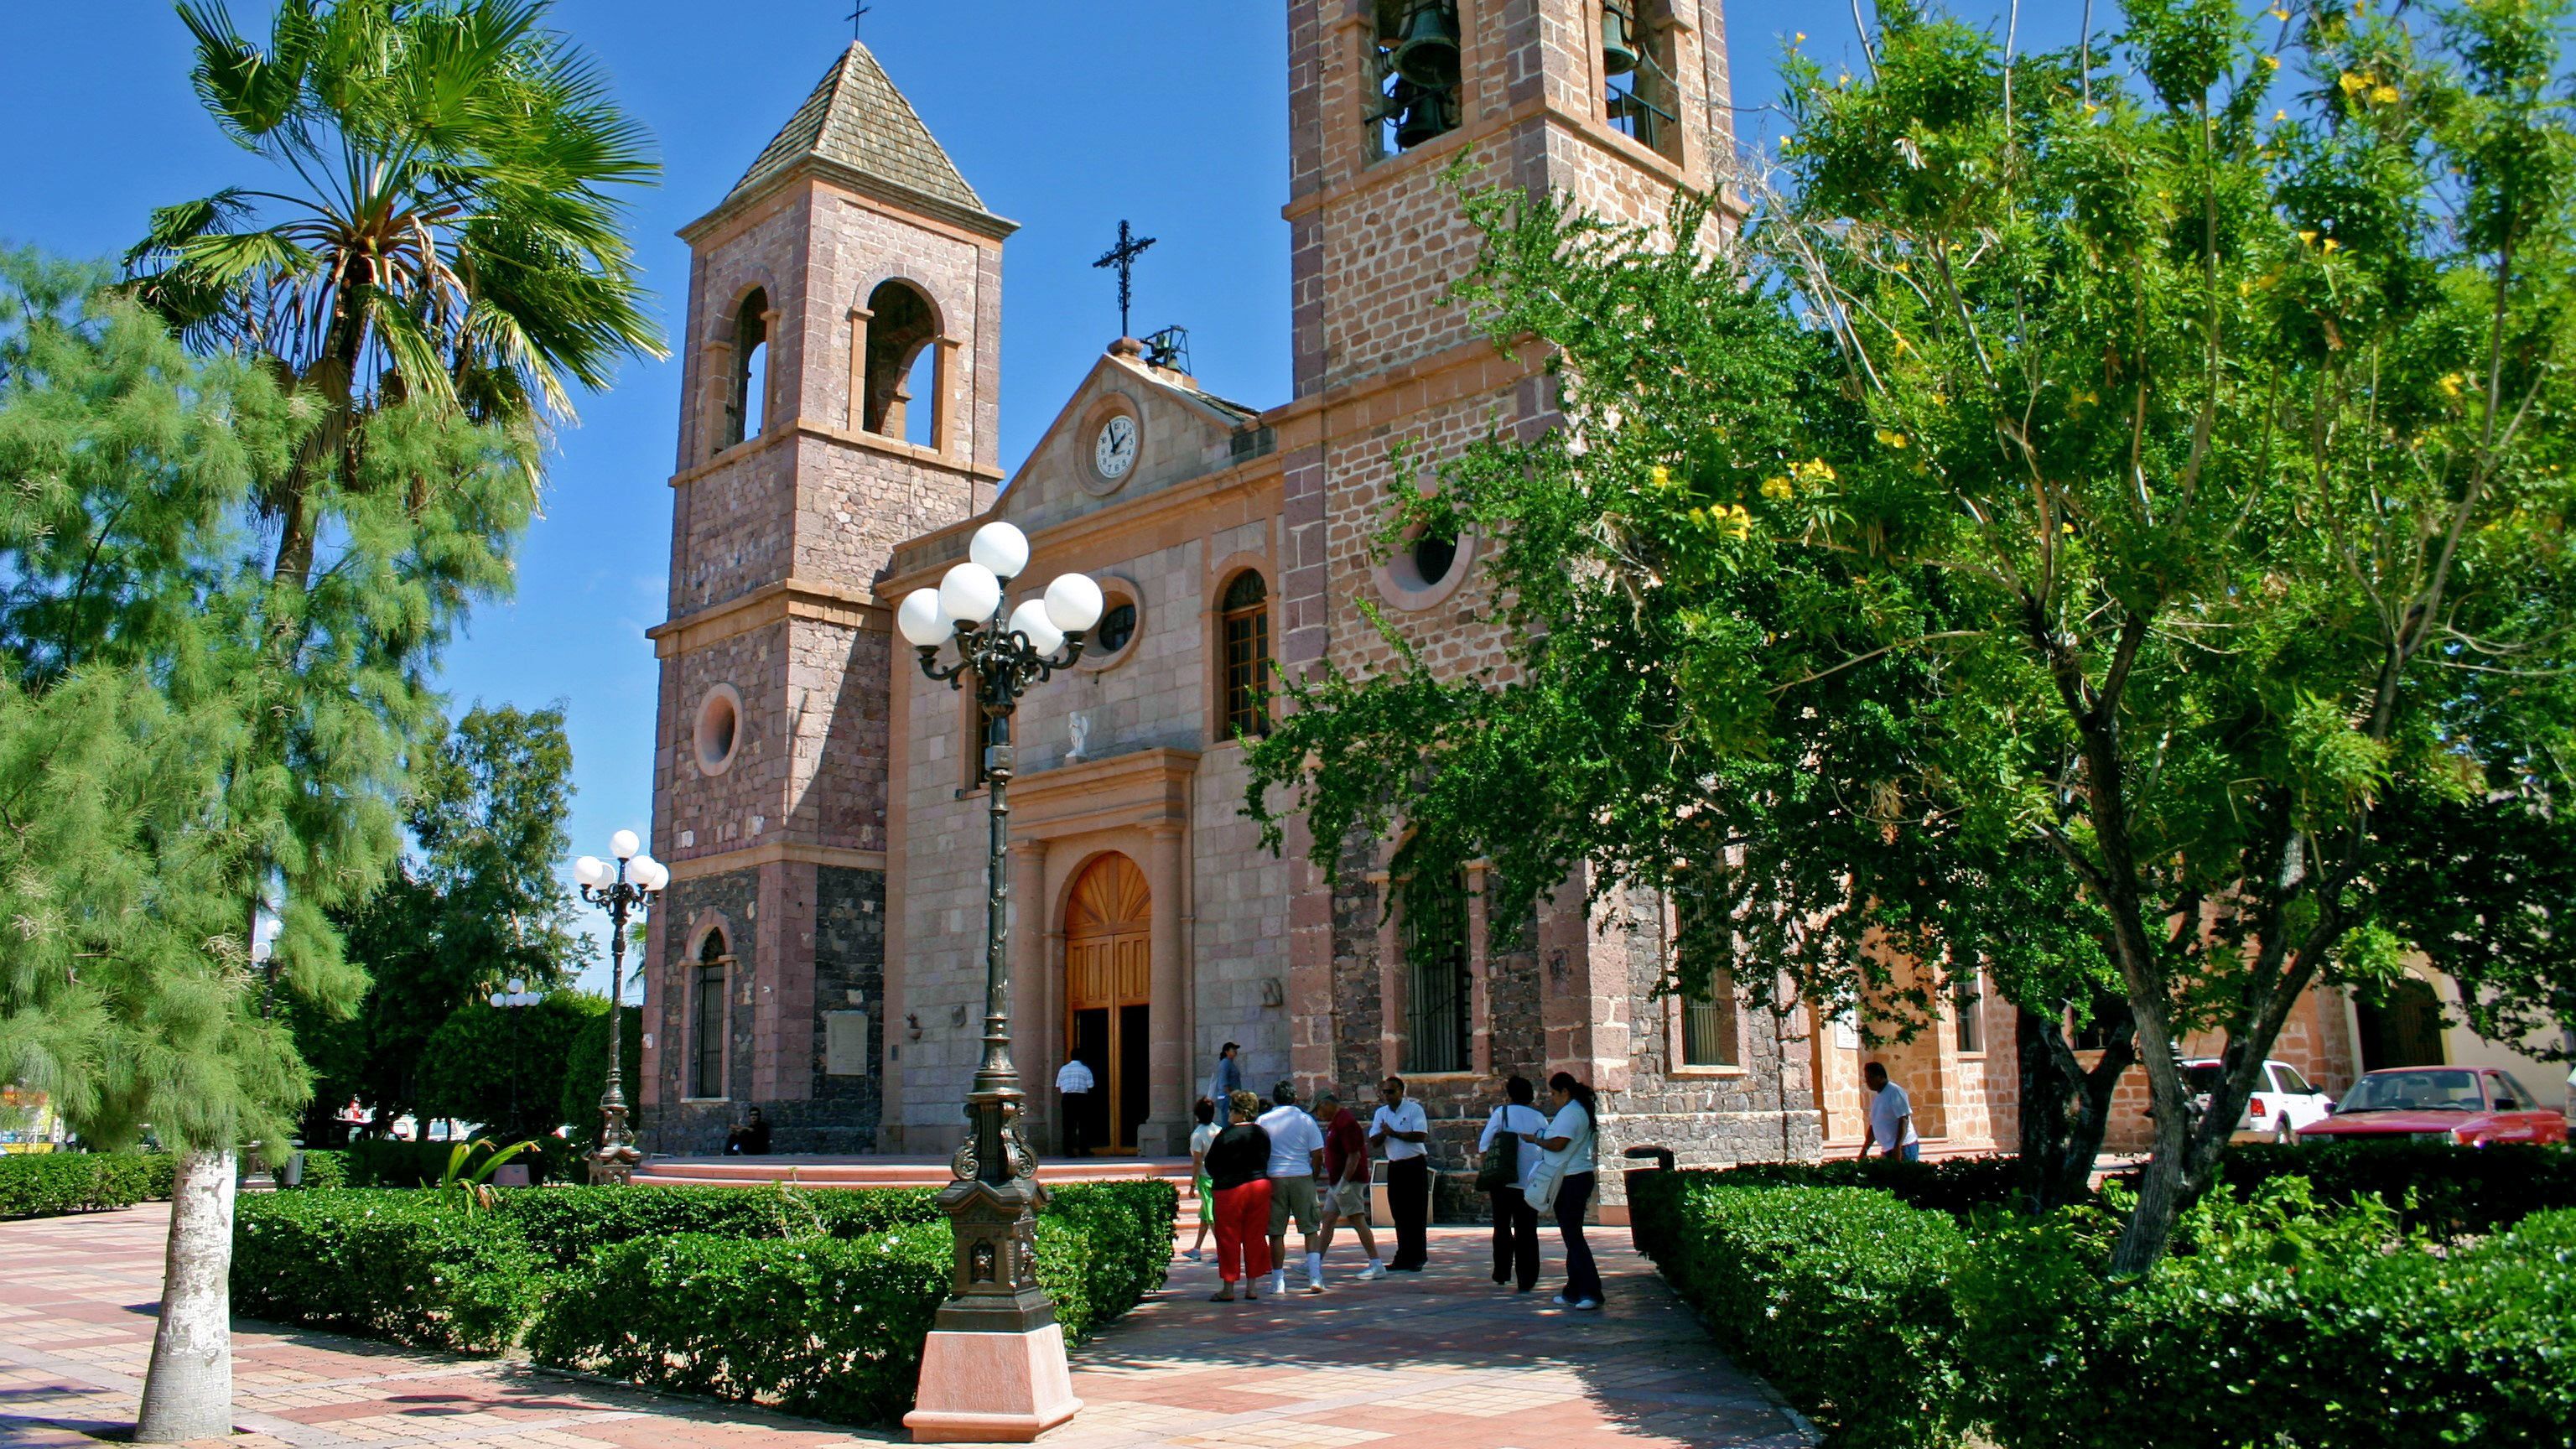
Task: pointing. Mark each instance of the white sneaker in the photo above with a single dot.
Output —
(1278, 1282)
(1562, 1301)
(1314, 1285)
(1587, 1305)
(1372, 1272)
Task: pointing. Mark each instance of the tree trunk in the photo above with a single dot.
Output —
(2058, 1147)
(188, 1390)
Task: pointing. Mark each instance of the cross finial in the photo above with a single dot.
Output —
(1123, 256)
(855, 15)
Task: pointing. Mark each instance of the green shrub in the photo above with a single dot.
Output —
(564, 1223)
(1957, 1185)
(322, 1171)
(822, 1327)
(43, 1184)
(390, 1162)
(825, 1326)
(1839, 1296)
(2323, 1328)
(2442, 1189)
(413, 1268)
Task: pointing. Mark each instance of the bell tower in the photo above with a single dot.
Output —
(840, 370)
(1614, 105)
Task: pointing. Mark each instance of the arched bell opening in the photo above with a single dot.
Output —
(901, 382)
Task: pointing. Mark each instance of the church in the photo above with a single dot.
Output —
(819, 954)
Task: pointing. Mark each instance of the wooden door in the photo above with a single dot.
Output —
(1108, 964)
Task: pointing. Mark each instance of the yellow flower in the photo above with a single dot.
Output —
(2271, 62)
(2308, 235)
(2331, 244)
(1893, 440)
(2384, 95)
(2451, 385)
(1778, 488)
(1662, 476)
(2277, 13)
(2280, 115)
(1802, 35)
(2353, 84)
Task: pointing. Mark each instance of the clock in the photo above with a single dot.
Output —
(1114, 452)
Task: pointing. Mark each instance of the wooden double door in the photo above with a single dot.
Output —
(1108, 967)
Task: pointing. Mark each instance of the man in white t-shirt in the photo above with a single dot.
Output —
(1073, 1083)
(1404, 1130)
(1891, 1118)
(1296, 1160)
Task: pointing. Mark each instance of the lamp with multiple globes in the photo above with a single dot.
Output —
(993, 1204)
(622, 889)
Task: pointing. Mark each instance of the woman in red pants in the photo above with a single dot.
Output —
(1237, 1163)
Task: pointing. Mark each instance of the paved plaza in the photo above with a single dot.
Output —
(1435, 1360)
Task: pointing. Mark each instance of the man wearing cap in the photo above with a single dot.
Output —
(1296, 1158)
(1346, 1187)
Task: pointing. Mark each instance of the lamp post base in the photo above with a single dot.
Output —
(992, 1387)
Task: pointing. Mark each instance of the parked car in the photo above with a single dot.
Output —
(2283, 1106)
(2471, 1106)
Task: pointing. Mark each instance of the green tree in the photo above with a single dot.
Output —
(474, 904)
(505, 1068)
(586, 1069)
(2094, 509)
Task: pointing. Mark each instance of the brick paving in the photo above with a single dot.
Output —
(1436, 1360)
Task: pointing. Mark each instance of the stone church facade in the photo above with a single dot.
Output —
(819, 953)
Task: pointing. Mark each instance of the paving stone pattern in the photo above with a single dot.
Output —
(1436, 1360)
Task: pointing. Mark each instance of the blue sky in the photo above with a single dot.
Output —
(1065, 116)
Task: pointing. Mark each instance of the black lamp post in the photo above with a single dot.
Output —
(621, 890)
(992, 1206)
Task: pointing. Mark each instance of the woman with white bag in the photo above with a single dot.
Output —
(1563, 1183)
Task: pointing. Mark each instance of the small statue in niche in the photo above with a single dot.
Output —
(1079, 725)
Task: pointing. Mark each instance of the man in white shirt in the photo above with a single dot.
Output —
(1406, 1133)
(1891, 1118)
(1073, 1083)
(1296, 1160)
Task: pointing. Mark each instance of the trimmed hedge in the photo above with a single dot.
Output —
(825, 1327)
(1837, 1295)
(43, 1184)
(812, 1301)
(409, 1267)
(2283, 1320)
(391, 1162)
(564, 1223)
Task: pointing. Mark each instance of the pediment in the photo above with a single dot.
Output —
(1181, 433)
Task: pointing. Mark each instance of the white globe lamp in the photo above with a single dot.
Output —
(1073, 603)
(624, 844)
(970, 593)
(1030, 619)
(921, 621)
(590, 870)
(1000, 548)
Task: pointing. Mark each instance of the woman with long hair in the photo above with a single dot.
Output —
(1202, 1137)
(1569, 1140)
(1517, 1121)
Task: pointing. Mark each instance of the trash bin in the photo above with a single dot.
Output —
(1662, 1158)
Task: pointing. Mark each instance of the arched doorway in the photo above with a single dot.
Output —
(2405, 1030)
(1108, 967)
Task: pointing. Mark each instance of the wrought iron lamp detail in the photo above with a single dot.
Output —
(622, 890)
(992, 1206)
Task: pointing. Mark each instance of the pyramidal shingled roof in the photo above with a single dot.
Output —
(857, 123)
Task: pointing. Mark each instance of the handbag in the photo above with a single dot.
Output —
(1501, 1166)
(1551, 1170)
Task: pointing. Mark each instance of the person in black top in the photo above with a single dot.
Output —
(1238, 1164)
(751, 1139)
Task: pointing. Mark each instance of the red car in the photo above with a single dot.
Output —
(2471, 1106)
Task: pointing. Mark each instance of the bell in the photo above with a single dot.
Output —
(1618, 42)
(1427, 53)
(1433, 113)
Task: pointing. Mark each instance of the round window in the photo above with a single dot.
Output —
(1117, 627)
(719, 729)
(1433, 558)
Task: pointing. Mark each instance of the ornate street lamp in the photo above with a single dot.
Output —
(621, 890)
(512, 1001)
(996, 1328)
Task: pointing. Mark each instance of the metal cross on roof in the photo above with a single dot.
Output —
(1123, 256)
(855, 16)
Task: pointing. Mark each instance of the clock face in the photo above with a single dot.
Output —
(1115, 451)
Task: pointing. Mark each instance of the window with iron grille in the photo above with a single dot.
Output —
(1245, 627)
(1968, 1004)
(1708, 1025)
(1438, 1002)
(707, 1066)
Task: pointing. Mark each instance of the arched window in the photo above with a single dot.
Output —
(1245, 628)
(747, 390)
(1637, 58)
(706, 1063)
(902, 366)
(1438, 1000)
(1414, 63)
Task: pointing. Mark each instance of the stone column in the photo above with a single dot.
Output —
(1166, 1129)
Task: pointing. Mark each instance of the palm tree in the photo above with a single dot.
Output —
(447, 231)
(452, 232)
